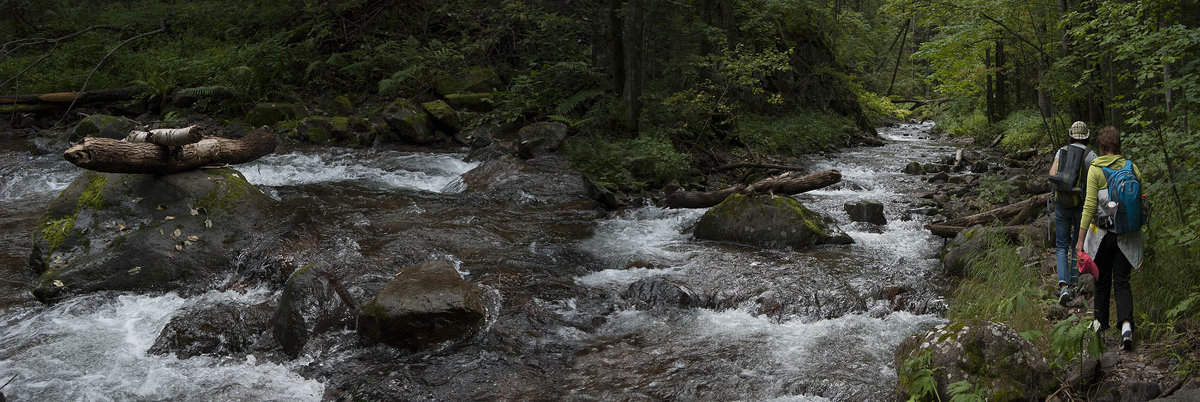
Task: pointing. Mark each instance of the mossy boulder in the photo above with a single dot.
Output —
(443, 115)
(770, 221)
(991, 356)
(914, 168)
(478, 79)
(110, 231)
(223, 328)
(104, 126)
(340, 106)
(539, 139)
(423, 305)
(966, 247)
(476, 102)
(408, 124)
(269, 113)
(309, 304)
(866, 211)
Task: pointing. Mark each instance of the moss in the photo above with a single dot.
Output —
(303, 270)
(479, 102)
(373, 310)
(56, 232)
(340, 106)
(225, 193)
(91, 197)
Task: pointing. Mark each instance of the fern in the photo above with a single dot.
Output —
(206, 91)
(570, 104)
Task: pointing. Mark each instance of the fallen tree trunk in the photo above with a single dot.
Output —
(1013, 232)
(921, 102)
(117, 156)
(65, 98)
(951, 227)
(760, 165)
(785, 184)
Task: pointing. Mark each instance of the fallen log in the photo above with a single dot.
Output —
(951, 227)
(1013, 232)
(168, 137)
(65, 98)
(760, 165)
(785, 184)
(118, 156)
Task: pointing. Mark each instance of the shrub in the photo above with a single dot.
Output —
(796, 133)
(630, 165)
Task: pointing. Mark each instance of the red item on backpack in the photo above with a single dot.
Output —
(1086, 265)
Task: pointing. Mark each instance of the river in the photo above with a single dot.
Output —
(817, 324)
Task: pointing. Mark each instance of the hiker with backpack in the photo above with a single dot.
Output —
(1111, 230)
(1068, 176)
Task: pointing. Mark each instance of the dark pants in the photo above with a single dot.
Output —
(1114, 276)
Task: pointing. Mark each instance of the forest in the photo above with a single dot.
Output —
(665, 95)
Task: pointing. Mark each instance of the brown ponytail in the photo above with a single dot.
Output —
(1108, 141)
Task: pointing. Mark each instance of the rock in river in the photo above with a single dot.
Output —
(422, 306)
(221, 328)
(311, 303)
(768, 220)
(149, 233)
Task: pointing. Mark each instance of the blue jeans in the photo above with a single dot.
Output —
(1066, 233)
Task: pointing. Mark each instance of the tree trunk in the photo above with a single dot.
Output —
(634, 61)
(950, 228)
(117, 156)
(784, 184)
(65, 98)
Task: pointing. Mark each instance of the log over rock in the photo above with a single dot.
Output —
(422, 306)
(117, 156)
(768, 220)
(991, 356)
(182, 232)
(787, 184)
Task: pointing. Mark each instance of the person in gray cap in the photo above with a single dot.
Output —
(1068, 177)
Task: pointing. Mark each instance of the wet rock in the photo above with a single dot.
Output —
(980, 167)
(408, 124)
(478, 79)
(1022, 155)
(443, 115)
(768, 220)
(180, 232)
(865, 211)
(1180, 396)
(104, 126)
(312, 302)
(45, 143)
(991, 356)
(966, 246)
(541, 180)
(914, 168)
(223, 328)
(1086, 374)
(269, 113)
(936, 168)
(847, 185)
(940, 177)
(649, 293)
(540, 139)
(423, 305)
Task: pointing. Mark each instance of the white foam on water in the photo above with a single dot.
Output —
(650, 234)
(34, 176)
(381, 169)
(94, 348)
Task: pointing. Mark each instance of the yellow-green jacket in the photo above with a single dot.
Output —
(1131, 244)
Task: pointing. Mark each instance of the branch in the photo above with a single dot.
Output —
(760, 165)
(162, 27)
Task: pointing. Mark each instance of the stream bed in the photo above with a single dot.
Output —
(767, 324)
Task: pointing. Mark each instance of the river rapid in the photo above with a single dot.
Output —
(769, 324)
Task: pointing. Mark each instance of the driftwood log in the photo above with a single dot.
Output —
(117, 156)
(951, 227)
(65, 98)
(785, 184)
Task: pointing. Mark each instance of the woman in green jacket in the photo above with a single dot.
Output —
(1115, 254)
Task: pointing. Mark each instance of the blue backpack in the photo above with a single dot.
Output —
(1126, 210)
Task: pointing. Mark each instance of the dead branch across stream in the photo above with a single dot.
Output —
(785, 184)
(1020, 210)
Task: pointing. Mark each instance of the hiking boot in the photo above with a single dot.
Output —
(1066, 296)
(1127, 340)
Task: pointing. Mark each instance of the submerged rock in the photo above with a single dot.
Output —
(224, 328)
(648, 293)
(768, 220)
(543, 180)
(312, 302)
(422, 306)
(110, 231)
(991, 356)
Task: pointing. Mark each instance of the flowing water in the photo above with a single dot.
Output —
(817, 324)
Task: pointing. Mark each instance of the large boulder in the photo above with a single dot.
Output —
(444, 115)
(539, 139)
(768, 220)
(312, 302)
(408, 124)
(991, 356)
(102, 125)
(542, 180)
(222, 328)
(966, 247)
(269, 113)
(423, 305)
(182, 231)
(479, 102)
(865, 211)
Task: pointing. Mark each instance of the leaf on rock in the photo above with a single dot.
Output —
(179, 246)
(136, 200)
(193, 238)
(135, 270)
(176, 233)
(208, 223)
(161, 207)
(193, 210)
(58, 283)
(169, 217)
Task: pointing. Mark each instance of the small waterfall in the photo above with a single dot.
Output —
(388, 170)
